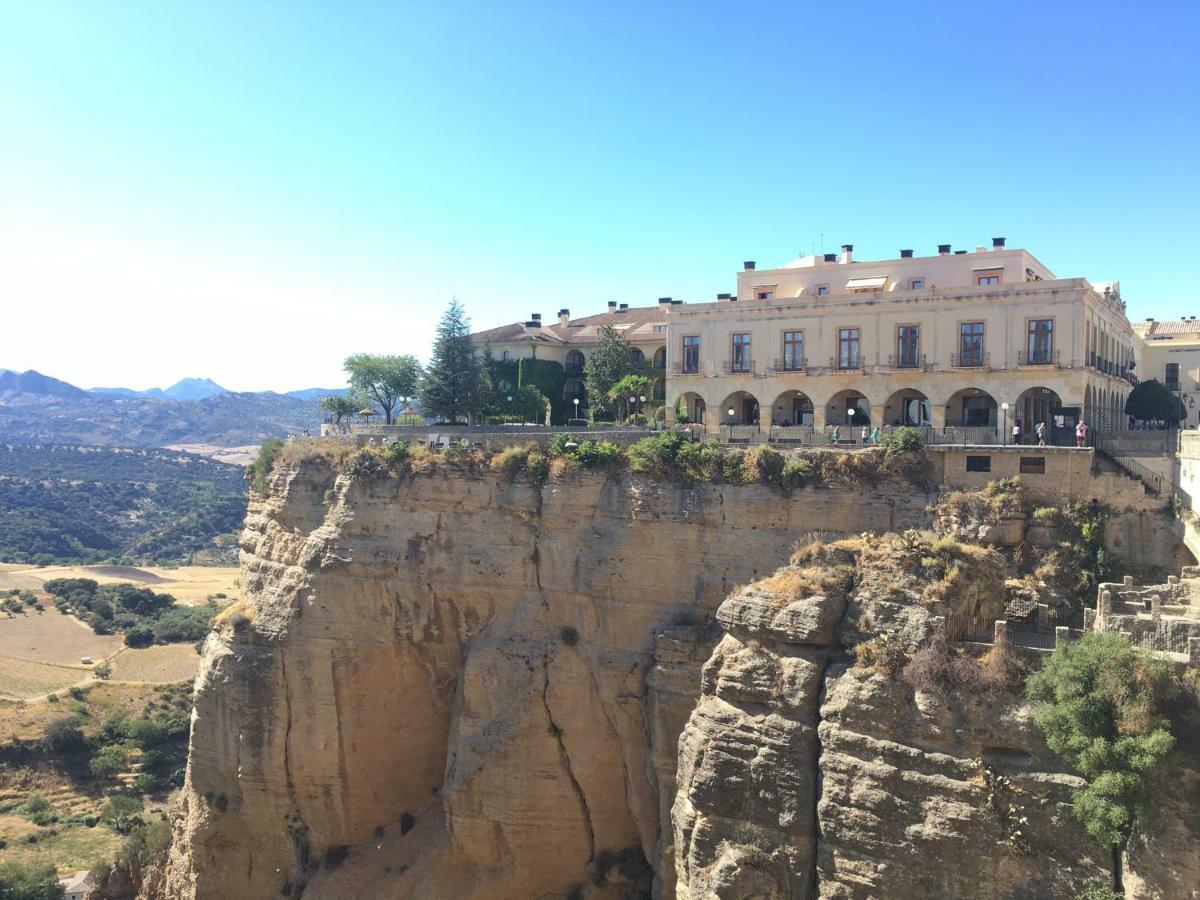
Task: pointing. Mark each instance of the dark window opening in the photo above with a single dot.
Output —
(1033, 465)
(979, 464)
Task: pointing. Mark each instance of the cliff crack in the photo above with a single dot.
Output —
(565, 758)
(297, 828)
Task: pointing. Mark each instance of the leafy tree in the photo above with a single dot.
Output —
(1151, 401)
(109, 762)
(455, 386)
(18, 882)
(608, 364)
(122, 814)
(1101, 705)
(384, 379)
(63, 736)
(629, 386)
(339, 406)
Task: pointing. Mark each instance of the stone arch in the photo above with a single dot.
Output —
(907, 406)
(637, 357)
(1034, 405)
(574, 361)
(837, 410)
(694, 406)
(573, 390)
(745, 409)
(660, 358)
(972, 407)
(792, 408)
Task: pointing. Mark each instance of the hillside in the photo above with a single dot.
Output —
(72, 504)
(35, 408)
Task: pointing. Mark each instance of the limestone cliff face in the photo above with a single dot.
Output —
(439, 686)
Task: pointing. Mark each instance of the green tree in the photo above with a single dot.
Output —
(122, 814)
(384, 379)
(109, 762)
(608, 363)
(1102, 706)
(18, 882)
(455, 386)
(1151, 401)
(63, 736)
(630, 386)
(339, 406)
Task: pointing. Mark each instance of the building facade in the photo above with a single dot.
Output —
(1169, 352)
(974, 339)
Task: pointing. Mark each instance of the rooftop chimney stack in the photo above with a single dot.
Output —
(748, 265)
(535, 320)
(564, 317)
(906, 254)
(664, 301)
(997, 243)
(612, 305)
(830, 257)
(847, 253)
(623, 307)
(943, 249)
(724, 298)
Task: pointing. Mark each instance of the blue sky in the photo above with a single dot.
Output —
(253, 191)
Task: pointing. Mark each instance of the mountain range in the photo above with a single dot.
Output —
(37, 408)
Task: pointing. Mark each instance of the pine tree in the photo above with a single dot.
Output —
(454, 381)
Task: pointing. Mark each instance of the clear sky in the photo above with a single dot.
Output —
(252, 191)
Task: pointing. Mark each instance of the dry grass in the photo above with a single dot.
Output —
(160, 664)
(51, 637)
(27, 721)
(191, 585)
(23, 679)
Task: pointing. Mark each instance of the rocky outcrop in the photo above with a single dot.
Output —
(439, 684)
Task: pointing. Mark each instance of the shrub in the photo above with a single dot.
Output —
(146, 783)
(883, 654)
(102, 671)
(797, 471)
(364, 464)
(63, 736)
(1097, 890)
(37, 810)
(396, 455)
(263, 463)
(1047, 515)
(939, 669)
(598, 454)
(903, 440)
(122, 814)
(1102, 705)
(139, 636)
(764, 464)
(20, 882)
(108, 762)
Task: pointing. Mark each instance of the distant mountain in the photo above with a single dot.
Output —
(14, 385)
(186, 389)
(35, 408)
(318, 393)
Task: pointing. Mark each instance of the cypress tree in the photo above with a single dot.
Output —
(454, 383)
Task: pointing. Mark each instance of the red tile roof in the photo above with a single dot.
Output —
(640, 319)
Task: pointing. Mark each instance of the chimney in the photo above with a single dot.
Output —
(847, 253)
(564, 317)
(906, 254)
(748, 265)
(943, 249)
(535, 320)
(724, 298)
(998, 243)
(677, 303)
(830, 257)
(959, 252)
(623, 307)
(612, 305)
(664, 301)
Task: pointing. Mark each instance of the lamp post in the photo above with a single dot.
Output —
(1004, 433)
(642, 406)
(633, 404)
(576, 402)
(510, 406)
(730, 424)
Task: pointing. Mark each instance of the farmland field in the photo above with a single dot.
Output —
(160, 664)
(51, 637)
(22, 679)
(190, 585)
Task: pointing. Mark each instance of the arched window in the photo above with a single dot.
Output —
(637, 357)
(660, 358)
(575, 361)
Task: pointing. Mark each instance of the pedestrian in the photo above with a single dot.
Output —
(837, 434)
(1040, 430)
(1081, 431)
(1016, 432)
(875, 435)
(866, 435)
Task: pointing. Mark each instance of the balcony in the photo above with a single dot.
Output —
(971, 361)
(741, 367)
(1049, 359)
(788, 367)
(857, 365)
(696, 369)
(909, 361)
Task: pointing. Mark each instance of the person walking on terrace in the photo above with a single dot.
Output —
(1081, 433)
(1040, 430)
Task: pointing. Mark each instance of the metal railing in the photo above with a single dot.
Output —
(1039, 359)
(903, 361)
(1152, 481)
(785, 366)
(972, 361)
(746, 367)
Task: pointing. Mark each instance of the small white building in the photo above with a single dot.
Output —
(77, 886)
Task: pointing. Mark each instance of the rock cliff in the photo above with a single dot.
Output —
(462, 685)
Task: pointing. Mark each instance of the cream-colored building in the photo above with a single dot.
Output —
(1169, 352)
(958, 339)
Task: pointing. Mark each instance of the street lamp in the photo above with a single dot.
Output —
(730, 423)
(1004, 433)
(576, 401)
(510, 406)
(642, 405)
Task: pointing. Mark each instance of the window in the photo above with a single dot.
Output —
(660, 329)
(575, 362)
(908, 344)
(1172, 376)
(1041, 342)
(822, 290)
(916, 284)
(793, 351)
(1033, 465)
(766, 294)
(740, 357)
(848, 343)
(691, 354)
(987, 277)
(970, 344)
(979, 464)
(504, 356)
(637, 357)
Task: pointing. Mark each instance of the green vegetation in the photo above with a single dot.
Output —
(454, 386)
(261, 467)
(903, 440)
(18, 882)
(531, 383)
(145, 617)
(80, 505)
(1150, 401)
(1102, 706)
(383, 379)
(339, 406)
(609, 362)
